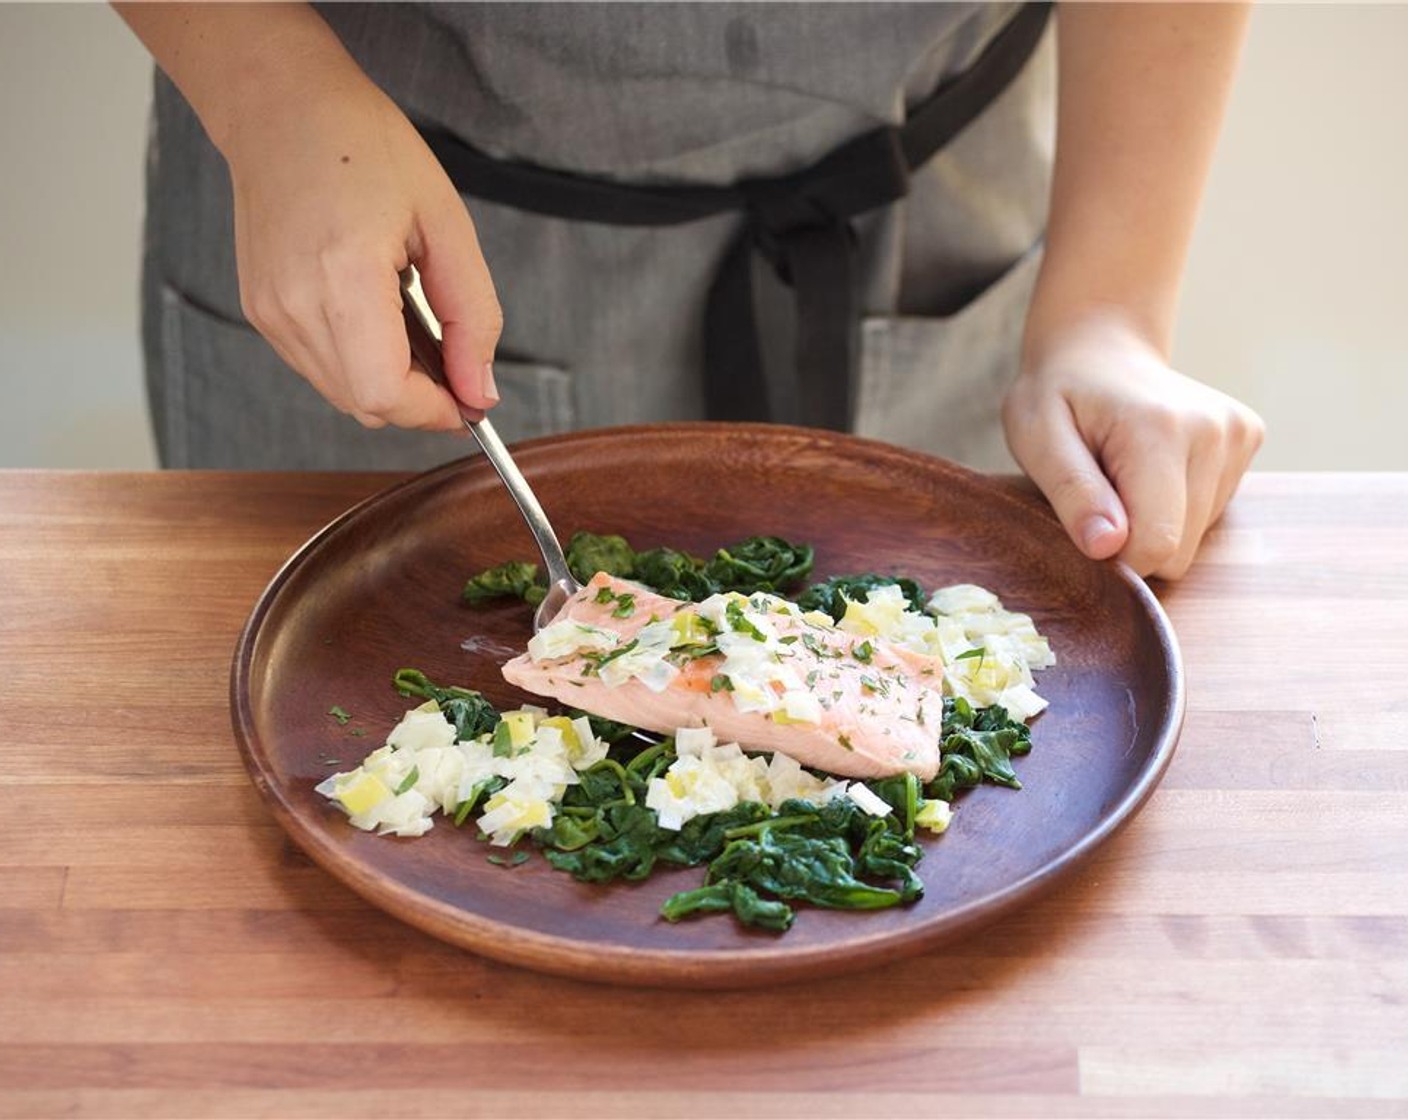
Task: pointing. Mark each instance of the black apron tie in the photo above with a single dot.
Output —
(799, 223)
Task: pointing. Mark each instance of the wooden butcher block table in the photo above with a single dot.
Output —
(1241, 948)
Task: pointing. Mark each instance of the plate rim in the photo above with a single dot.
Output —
(715, 968)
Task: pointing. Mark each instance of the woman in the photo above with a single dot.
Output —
(289, 184)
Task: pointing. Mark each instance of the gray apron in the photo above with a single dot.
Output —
(603, 323)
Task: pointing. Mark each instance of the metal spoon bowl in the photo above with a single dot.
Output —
(425, 334)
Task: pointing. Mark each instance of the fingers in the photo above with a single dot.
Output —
(1152, 481)
(1246, 433)
(1201, 485)
(1101, 422)
(367, 336)
(461, 293)
(1180, 480)
(351, 346)
(1045, 441)
(319, 245)
(1213, 468)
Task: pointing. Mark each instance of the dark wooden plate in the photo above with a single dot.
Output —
(377, 590)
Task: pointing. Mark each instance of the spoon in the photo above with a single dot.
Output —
(425, 334)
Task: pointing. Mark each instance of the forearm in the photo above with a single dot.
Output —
(1141, 94)
(334, 193)
(238, 63)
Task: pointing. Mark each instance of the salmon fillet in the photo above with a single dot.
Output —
(754, 669)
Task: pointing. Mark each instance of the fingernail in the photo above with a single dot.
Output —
(491, 391)
(1095, 530)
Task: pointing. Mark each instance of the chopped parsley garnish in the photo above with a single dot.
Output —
(619, 651)
(817, 646)
(339, 713)
(683, 655)
(739, 623)
(969, 654)
(625, 602)
(625, 606)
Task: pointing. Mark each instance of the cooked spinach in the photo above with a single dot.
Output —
(676, 574)
(978, 745)
(805, 853)
(759, 564)
(758, 860)
(589, 553)
(516, 578)
(731, 895)
(755, 564)
(702, 838)
(469, 711)
(621, 847)
(790, 865)
(831, 595)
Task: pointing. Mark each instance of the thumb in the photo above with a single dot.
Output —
(461, 293)
(1049, 448)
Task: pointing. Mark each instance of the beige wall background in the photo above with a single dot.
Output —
(1294, 299)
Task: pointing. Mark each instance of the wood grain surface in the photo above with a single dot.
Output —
(1240, 949)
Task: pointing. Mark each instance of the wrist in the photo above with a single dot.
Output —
(1104, 325)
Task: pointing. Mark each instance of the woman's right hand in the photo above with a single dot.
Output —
(333, 198)
(335, 193)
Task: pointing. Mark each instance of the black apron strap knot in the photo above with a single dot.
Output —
(863, 174)
(818, 263)
(799, 223)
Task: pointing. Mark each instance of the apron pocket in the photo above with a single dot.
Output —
(224, 399)
(936, 384)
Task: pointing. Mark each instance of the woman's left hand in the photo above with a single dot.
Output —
(1137, 460)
